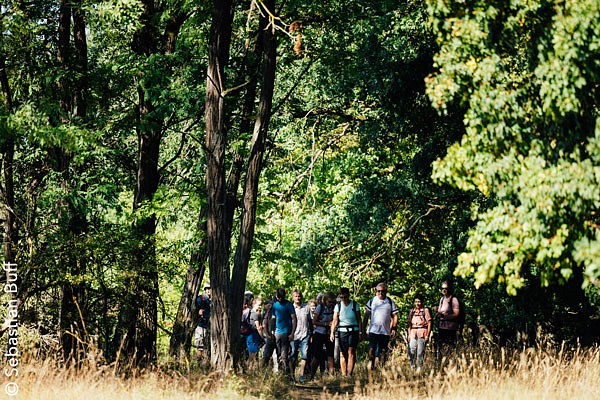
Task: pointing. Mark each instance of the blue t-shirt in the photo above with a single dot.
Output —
(283, 316)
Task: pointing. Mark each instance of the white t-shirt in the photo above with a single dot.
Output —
(381, 315)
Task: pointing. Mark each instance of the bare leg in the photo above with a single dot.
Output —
(343, 363)
(351, 360)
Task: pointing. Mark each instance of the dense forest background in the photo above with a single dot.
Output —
(150, 146)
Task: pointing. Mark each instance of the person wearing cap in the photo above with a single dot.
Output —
(202, 332)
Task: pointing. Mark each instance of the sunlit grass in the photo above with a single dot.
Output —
(516, 374)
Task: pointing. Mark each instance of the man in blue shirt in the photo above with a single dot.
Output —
(285, 326)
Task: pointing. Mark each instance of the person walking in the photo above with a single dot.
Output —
(285, 328)
(322, 346)
(299, 345)
(448, 313)
(383, 313)
(346, 319)
(419, 330)
(254, 340)
(202, 331)
(269, 353)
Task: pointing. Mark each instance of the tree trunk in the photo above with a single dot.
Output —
(255, 161)
(138, 318)
(74, 219)
(185, 320)
(218, 231)
(227, 289)
(81, 61)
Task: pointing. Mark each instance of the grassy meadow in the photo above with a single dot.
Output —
(500, 374)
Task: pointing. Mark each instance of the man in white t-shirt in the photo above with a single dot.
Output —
(384, 322)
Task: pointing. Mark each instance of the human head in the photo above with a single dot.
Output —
(329, 299)
(297, 296)
(257, 303)
(446, 288)
(280, 294)
(268, 304)
(418, 301)
(312, 304)
(207, 290)
(381, 290)
(344, 293)
(320, 298)
(248, 299)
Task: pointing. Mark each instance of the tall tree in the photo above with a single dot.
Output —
(71, 98)
(138, 319)
(228, 284)
(526, 72)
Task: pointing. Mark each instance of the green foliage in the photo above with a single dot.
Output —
(526, 73)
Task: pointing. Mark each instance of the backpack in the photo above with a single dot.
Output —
(461, 313)
(462, 316)
(338, 306)
(246, 328)
(412, 313)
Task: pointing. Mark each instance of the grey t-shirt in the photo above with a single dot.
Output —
(303, 322)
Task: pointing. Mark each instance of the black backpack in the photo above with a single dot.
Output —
(246, 328)
(462, 316)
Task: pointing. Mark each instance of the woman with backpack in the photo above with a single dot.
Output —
(419, 329)
(346, 318)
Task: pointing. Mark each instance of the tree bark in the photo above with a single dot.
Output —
(227, 288)
(218, 232)
(186, 318)
(255, 161)
(138, 318)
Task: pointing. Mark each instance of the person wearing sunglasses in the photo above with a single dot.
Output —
(448, 313)
(383, 313)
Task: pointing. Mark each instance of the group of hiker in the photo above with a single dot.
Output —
(325, 332)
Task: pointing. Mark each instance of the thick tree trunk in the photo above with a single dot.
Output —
(138, 319)
(268, 47)
(218, 233)
(227, 290)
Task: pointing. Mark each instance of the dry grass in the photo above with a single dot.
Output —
(518, 374)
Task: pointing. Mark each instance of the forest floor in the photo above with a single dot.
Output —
(518, 374)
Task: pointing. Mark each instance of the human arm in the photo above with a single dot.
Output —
(394, 324)
(294, 325)
(365, 321)
(455, 309)
(334, 324)
(258, 325)
(429, 320)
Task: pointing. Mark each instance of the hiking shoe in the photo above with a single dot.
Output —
(302, 379)
(292, 379)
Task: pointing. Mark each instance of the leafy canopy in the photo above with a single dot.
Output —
(526, 74)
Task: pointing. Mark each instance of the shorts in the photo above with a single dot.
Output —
(348, 340)
(379, 343)
(320, 339)
(253, 342)
(200, 337)
(300, 346)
